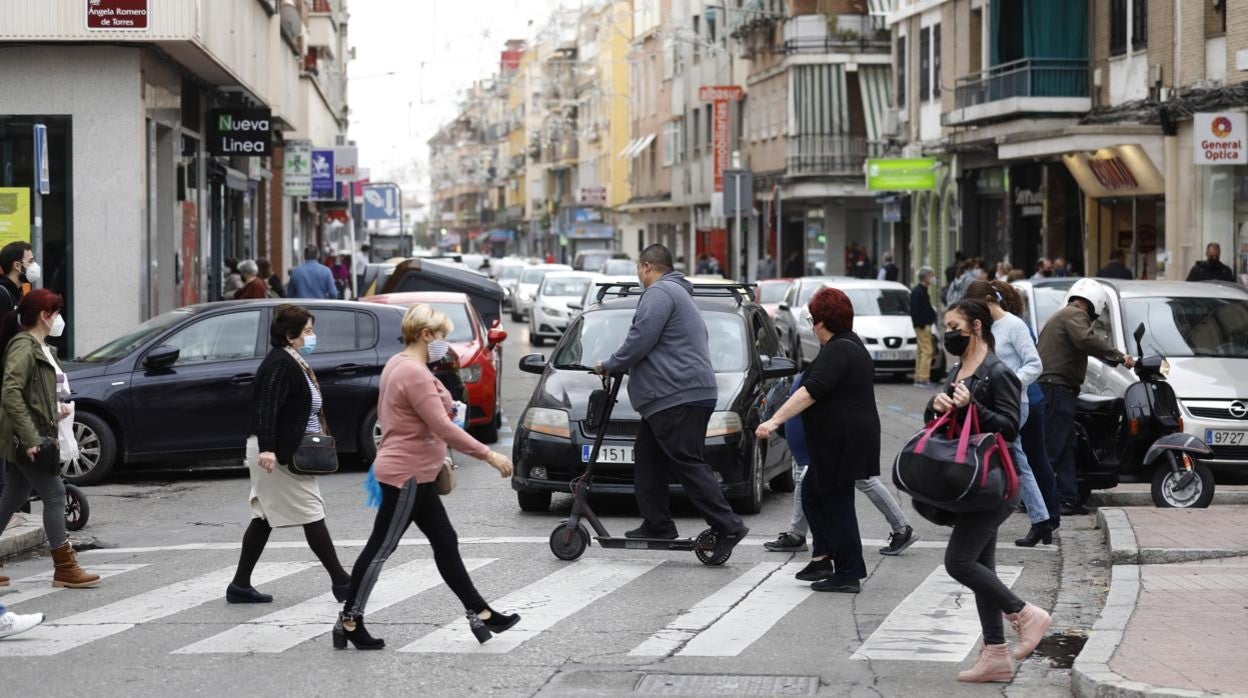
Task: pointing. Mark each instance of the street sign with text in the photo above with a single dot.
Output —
(323, 174)
(243, 132)
(346, 164)
(297, 168)
(901, 174)
(382, 202)
(43, 178)
(719, 97)
(117, 15)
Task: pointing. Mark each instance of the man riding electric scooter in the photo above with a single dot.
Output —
(672, 386)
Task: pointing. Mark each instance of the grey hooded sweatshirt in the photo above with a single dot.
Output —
(666, 352)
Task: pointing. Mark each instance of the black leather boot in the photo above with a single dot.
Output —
(1040, 533)
(352, 628)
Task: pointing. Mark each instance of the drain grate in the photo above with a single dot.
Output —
(725, 685)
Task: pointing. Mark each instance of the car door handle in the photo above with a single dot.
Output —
(243, 379)
(347, 369)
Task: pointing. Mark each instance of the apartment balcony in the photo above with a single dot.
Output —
(819, 34)
(1027, 86)
(834, 156)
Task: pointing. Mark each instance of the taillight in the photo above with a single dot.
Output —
(1134, 426)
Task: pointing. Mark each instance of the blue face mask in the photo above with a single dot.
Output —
(309, 345)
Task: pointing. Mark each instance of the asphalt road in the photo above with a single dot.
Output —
(611, 623)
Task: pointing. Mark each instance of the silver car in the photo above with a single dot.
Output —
(552, 307)
(1201, 329)
(792, 313)
(526, 288)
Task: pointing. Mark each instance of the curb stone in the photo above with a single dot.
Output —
(23, 537)
(1091, 675)
(1123, 548)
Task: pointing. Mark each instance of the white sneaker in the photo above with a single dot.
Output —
(12, 623)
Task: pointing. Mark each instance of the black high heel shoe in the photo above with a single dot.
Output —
(352, 628)
(496, 623)
(1039, 533)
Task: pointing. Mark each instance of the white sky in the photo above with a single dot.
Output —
(435, 49)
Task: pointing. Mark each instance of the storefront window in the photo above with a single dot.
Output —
(1237, 256)
(1219, 220)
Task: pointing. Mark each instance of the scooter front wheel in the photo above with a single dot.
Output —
(77, 511)
(568, 542)
(704, 548)
(1198, 493)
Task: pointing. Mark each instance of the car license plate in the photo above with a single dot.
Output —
(890, 356)
(608, 454)
(1225, 437)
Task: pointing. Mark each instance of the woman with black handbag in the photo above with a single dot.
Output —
(28, 435)
(414, 410)
(289, 445)
(970, 558)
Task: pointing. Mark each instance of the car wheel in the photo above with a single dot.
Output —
(369, 438)
(1197, 495)
(533, 501)
(516, 317)
(536, 341)
(97, 450)
(785, 481)
(752, 503)
(486, 433)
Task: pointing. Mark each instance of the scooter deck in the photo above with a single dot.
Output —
(646, 543)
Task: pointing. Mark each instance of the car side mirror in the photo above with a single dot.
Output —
(784, 307)
(533, 363)
(496, 336)
(575, 306)
(779, 367)
(162, 357)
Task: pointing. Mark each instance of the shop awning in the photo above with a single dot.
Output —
(591, 231)
(629, 148)
(642, 143)
(875, 84)
(818, 103)
(1117, 171)
(879, 8)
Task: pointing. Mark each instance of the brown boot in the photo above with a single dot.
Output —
(994, 664)
(68, 573)
(4, 581)
(1030, 624)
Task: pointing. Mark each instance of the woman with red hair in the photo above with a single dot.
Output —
(28, 423)
(837, 405)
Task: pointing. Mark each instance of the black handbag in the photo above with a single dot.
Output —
(958, 469)
(317, 455)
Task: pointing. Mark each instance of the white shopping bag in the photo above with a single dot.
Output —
(461, 415)
(65, 434)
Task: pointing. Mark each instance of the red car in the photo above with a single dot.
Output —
(479, 350)
(771, 294)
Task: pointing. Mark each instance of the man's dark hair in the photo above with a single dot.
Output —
(658, 257)
(12, 254)
(264, 266)
(310, 253)
(1117, 255)
(288, 323)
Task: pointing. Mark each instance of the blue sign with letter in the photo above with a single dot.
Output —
(323, 174)
(43, 183)
(382, 202)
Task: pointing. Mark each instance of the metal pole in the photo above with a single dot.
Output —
(744, 275)
(779, 234)
(1135, 241)
(36, 232)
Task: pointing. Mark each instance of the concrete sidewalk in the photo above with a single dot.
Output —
(24, 533)
(1176, 619)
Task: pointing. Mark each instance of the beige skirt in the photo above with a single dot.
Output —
(281, 497)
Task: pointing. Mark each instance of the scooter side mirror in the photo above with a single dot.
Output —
(1139, 338)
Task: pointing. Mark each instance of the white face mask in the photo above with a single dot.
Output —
(33, 273)
(438, 349)
(58, 326)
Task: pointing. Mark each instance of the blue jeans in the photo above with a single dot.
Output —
(1037, 512)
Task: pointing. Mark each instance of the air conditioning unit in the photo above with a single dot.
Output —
(892, 123)
(1154, 74)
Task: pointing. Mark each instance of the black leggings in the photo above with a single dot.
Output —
(971, 558)
(400, 507)
(317, 535)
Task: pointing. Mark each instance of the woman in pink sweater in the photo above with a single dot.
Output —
(415, 411)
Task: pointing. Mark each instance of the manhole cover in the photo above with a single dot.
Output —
(725, 685)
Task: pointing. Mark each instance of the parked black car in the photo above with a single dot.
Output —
(178, 387)
(420, 274)
(553, 441)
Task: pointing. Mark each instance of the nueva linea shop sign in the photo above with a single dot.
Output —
(246, 132)
(901, 174)
(1220, 138)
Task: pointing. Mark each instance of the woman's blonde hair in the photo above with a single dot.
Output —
(421, 317)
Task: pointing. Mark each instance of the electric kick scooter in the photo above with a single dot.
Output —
(570, 538)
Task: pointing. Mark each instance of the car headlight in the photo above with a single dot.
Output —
(553, 312)
(1164, 369)
(723, 424)
(470, 374)
(524, 296)
(543, 420)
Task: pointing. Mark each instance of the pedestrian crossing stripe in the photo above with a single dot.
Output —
(935, 622)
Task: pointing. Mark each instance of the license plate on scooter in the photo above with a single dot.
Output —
(608, 454)
(1225, 437)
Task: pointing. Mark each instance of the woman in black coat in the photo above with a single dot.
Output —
(837, 404)
(983, 379)
(286, 404)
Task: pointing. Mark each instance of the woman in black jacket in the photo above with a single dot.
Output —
(837, 404)
(983, 379)
(285, 405)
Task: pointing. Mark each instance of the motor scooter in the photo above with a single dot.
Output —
(1141, 434)
(77, 510)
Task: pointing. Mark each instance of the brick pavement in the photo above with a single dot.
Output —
(1220, 527)
(1190, 627)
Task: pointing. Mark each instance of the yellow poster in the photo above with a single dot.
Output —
(14, 214)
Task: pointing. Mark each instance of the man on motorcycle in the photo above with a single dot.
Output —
(1066, 342)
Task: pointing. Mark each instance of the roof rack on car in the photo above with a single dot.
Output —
(741, 292)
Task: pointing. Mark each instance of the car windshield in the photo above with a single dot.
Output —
(807, 291)
(879, 301)
(127, 343)
(1214, 327)
(533, 276)
(597, 334)
(772, 293)
(619, 267)
(458, 313)
(1048, 301)
(594, 260)
(564, 288)
(510, 272)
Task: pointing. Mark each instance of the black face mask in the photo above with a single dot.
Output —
(956, 342)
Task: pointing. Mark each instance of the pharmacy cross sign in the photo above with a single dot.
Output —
(117, 15)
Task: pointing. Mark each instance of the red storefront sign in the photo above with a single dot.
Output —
(719, 97)
(117, 15)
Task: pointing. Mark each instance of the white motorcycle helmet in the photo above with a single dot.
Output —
(1091, 291)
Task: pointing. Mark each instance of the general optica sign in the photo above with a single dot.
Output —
(1219, 138)
(117, 15)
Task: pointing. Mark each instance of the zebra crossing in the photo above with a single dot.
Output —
(738, 608)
